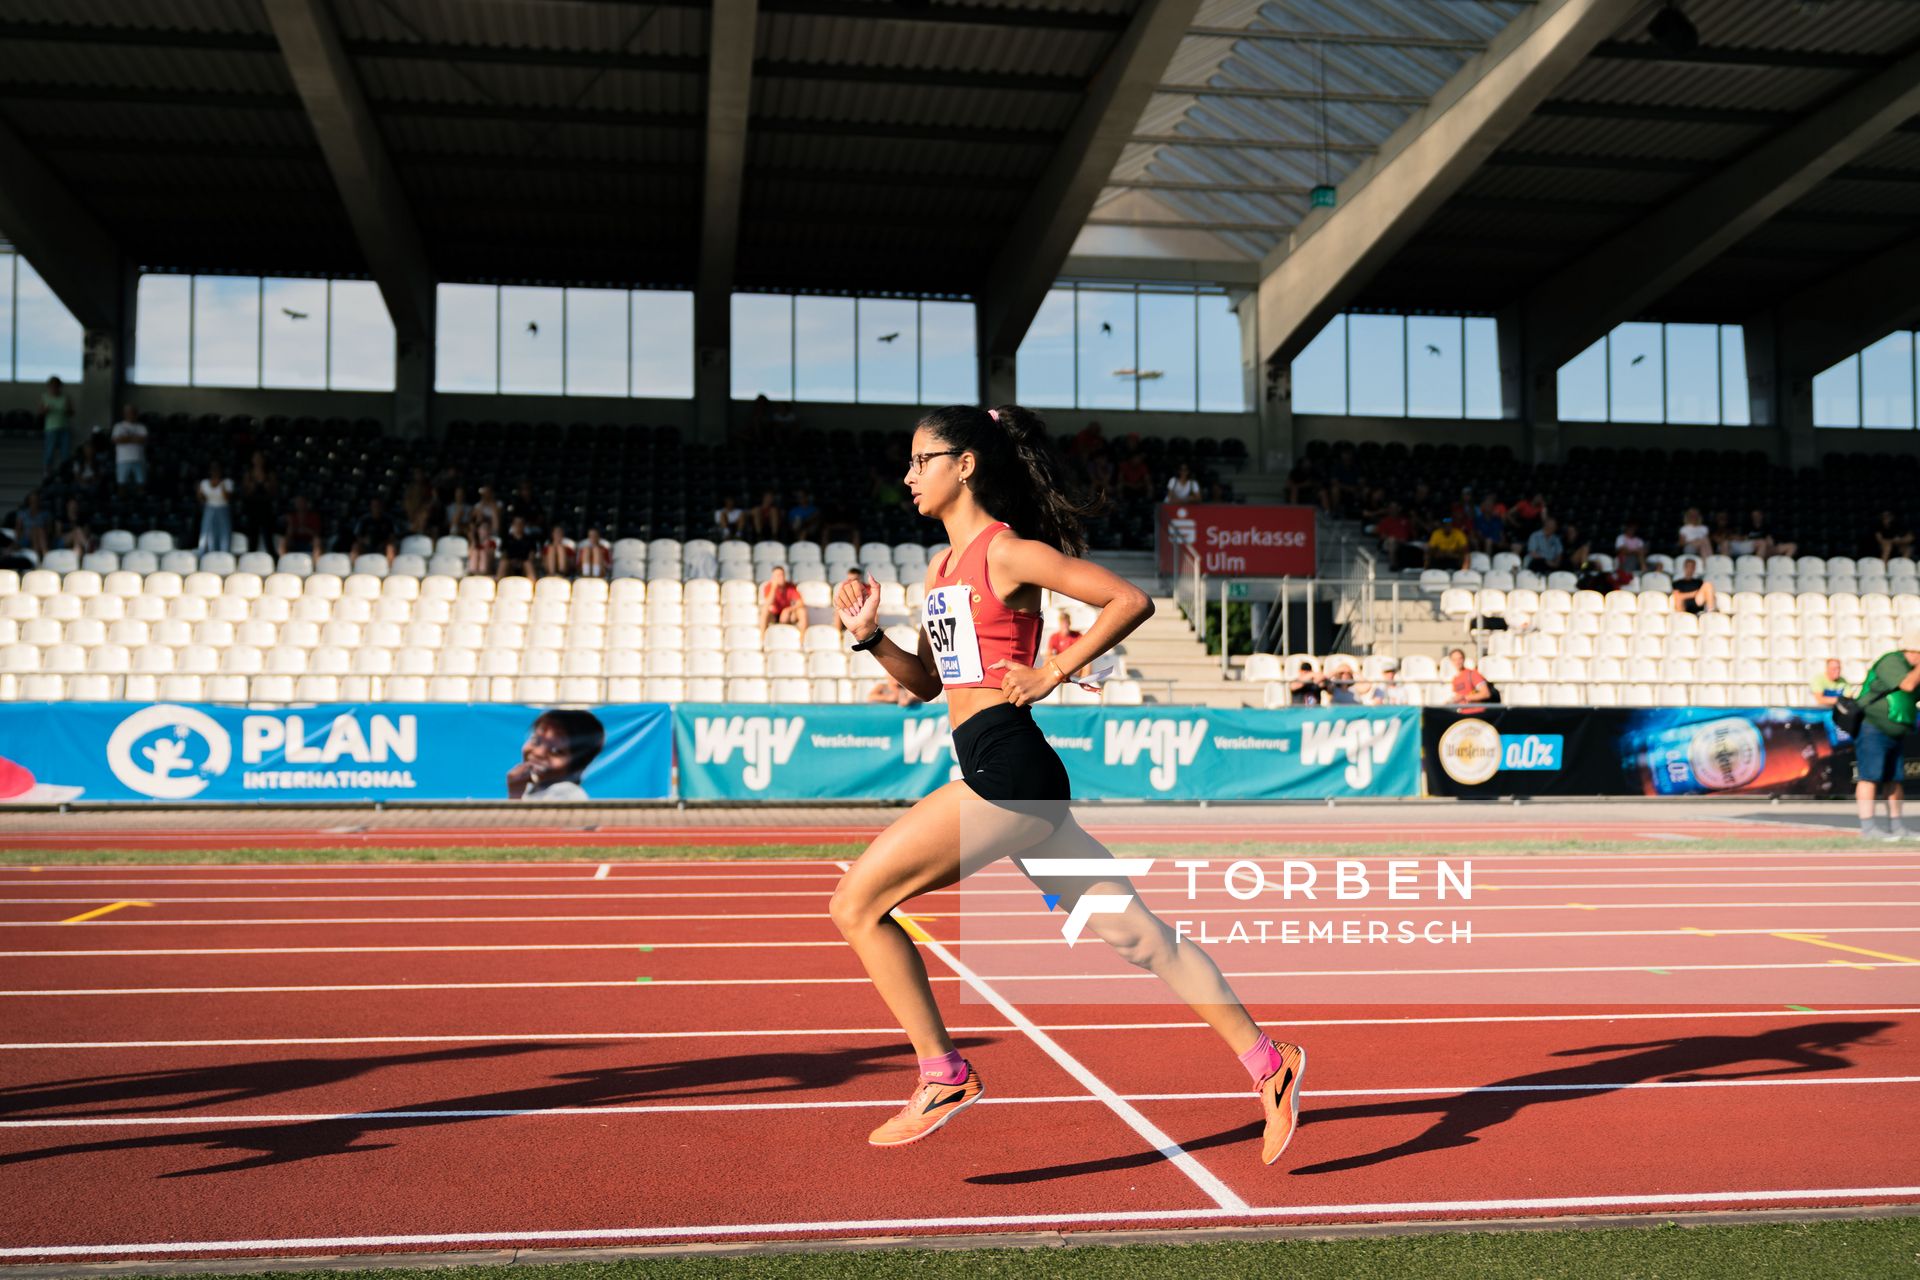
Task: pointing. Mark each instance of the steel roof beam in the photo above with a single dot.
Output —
(729, 100)
(1333, 253)
(1635, 267)
(1849, 310)
(1029, 258)
(357, 157)
(66, 244)
(1761, 59)
(1340, 37)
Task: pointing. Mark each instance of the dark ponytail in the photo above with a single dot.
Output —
(1019, 478)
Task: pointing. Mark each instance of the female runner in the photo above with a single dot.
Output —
(991, 476)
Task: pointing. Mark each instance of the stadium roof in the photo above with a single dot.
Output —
(944, 146)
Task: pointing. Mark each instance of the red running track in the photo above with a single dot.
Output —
(428, 1089)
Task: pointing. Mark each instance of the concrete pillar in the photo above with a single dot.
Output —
(712, 382)
(999, 383)
(413, 389)
(103, 382)
(1529, 387)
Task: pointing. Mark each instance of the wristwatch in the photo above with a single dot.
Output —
(879, 634)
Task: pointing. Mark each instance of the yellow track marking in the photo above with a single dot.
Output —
(1817, 940)
(100, 911)
(914, 931)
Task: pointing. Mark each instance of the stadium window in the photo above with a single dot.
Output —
(9, 264)
(1692, 362)
(1377, 366)
(1736, 403)
(293, 333)
(360, 339)
(1320, 371)
(226, 331)
(466, 354)
(597, 342)
(762, 346)
(533, 324)
(1482, 373)
(1108, 360)
(163, 331)
(887, 334)
(1169, 348)
(1582, 385)
(1044, 365)
(1685, 374)
(949, 365)
(824, 349)
(1223, 387)
(1836, 395)
(1886, 382)
(662, 336)
(1436, 378)
(47, 340)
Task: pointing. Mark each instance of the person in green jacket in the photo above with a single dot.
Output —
(56, 422)
(1887, 698)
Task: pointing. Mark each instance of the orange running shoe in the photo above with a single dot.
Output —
(932, 1105)
(1280, 1099)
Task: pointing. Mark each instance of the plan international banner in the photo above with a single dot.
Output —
(800, 752)
(52, 753)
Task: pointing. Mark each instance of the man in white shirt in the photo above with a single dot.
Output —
(130, 449)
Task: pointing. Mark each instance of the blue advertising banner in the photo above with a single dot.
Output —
(57, 752)
(797, 752)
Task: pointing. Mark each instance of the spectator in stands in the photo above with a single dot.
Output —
(517, 548)
(488, 508)
(1088, 441)
(1468, 685)
(1490, 525)
(1387, 691)
(56, 421)
(1135, 477)
(259, 502)
(854, 576)
(1063, 638)
(130, 450)
(594, 555)
(482, 547)
(1545, 551)
(459, 512)
(215, 494)
(301, 529)
(556, 556)
(1183, 487)
(1395, 532)
(1100, 470)
(1630, 549)
(1339, 686)
(1524, 516)
(417, 503)
(33, 525)
(1879, 746)
(887, 689)
(780, 602)
(1446, 546)
(1891, 537)
(1695, 538)
(803, 518)
(1765, 544)
(1829, 686)
(524, 505)
(74, 533)
(729, 518)
(1579, 546)
(1304, 689)
(374, 533)
(1691, 592)
(765, 520)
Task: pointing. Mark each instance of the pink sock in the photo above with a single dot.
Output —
(949, 1069)
(1262, 1060)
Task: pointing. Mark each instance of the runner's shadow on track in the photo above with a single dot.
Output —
(718, 1079)
(1809, 1048)
(1804, 1049)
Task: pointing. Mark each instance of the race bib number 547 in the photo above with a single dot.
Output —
(948, 618)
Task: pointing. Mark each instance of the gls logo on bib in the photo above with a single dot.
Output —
(1168, 743)
(763, 742)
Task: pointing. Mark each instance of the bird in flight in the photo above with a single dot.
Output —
(533, 327)
(1106, 328)
(294, 315)
(1637, 359)
(1432, 350)
(889, 337)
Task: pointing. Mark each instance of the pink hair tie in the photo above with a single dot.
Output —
(994, 414)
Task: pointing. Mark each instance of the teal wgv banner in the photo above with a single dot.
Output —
(799, 752)
(59, 752)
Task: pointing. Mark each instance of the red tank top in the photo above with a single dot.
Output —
(969, 627)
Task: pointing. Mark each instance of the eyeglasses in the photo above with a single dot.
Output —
(917, 462)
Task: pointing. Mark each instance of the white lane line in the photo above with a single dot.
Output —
(806, 893)
(490, 1113)
(1174, 1153)
(948, 895)
(710, 1231)
(621, 1036)
(606, 867)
